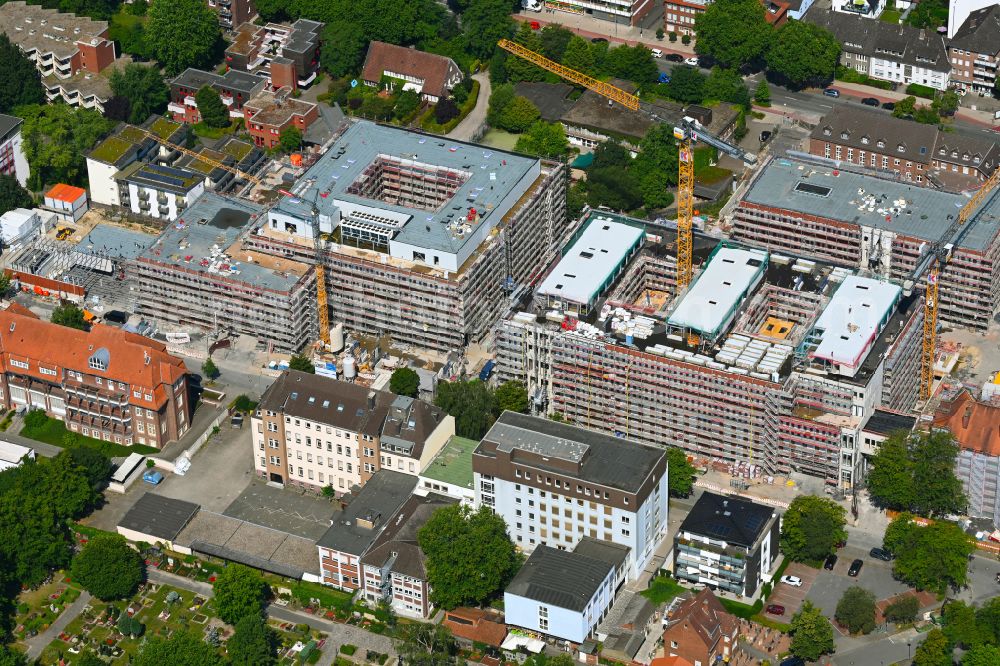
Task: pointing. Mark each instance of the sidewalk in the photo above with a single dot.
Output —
(975, 116)
(470, 126)
(590, 28)
(41, 641)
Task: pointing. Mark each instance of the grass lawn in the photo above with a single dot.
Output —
(890, 16)
(499, 139)
(54, 431)
(37, 609)
(662, 590)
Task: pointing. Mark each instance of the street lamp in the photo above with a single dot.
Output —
(909, 649)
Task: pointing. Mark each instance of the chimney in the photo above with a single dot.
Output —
(371, 400)
(967, 416)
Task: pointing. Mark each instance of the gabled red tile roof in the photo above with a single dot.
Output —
(17, 308)
(55, 347)
(433, 69)
(705, 615)
(976, 425)
(475, 624)
(670, 661)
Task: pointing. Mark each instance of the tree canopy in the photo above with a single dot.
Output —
(681, 473)
(856, 610)
(934, 651)
(144, 88)
(405, 381)
(56, 140)
(240, 592)
(543, 139)
(290, 139)
(182, 34)
(733, 33)
(961, 626)
(803, 54)
(471, 403)
(343, 48)
(108, 568)
(12, 195)
(253, 642)
(486, 22)
(934, 557)
(512, 396)
(181, 649)
(69, 315)
(812, 634)
(982, 655)
(916, 473)
(687, 84)
(211, 108)
(812, 527)
(20, 82)
(301, 363)
(423, 644)
(470, 558)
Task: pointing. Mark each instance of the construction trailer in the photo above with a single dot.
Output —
(774, 372)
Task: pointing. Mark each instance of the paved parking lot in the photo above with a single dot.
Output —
(789, 596)
(875, 576)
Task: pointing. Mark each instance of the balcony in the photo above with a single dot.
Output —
(226, 99)
(189, 101)
(174, 107)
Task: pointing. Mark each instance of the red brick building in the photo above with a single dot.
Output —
(106, 383)
(288, 55)
(974, 51)
(701, 631)
(233, 13)
(679, 15)
(270, 112)
(234, 88)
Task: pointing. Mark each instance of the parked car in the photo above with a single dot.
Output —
(880, 554)
(831, 92)
(663, 78)
(598, 40)
(765, 135)
(775, 609)
(237, 420)
(888, 106)
(693, 61)
(152, 477)
(792, 661)
(794, 581)
(870, 101)
(831, 561)
(657, 53)
(535, 25)
(674, 57)
(855, 568)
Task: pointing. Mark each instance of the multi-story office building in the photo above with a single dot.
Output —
(12, 159)
(727, 543)
(287, 55)
(315, 431)
(430, 237)
(104, 383)
(198, 274)
(974, 51)
(555, 484)
(235, 89)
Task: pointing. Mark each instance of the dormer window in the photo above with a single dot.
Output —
(954, 153)
(827, 131)
(901, 148)
(99, 359)
(976, 160)
(965, 156)
(864, 140)
(942, 151)
(844, 135)
(881, 143)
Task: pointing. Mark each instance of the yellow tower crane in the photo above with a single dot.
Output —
(933, 263)
(688, 132)
(321, 299)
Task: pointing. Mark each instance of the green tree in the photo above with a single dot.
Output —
(928, 14)
(934, 557)
(812, 634)
(961, 626)
(486, 22)
(512, 396)
(812, 528)
(555, 39)
(905, 107)
(68, 315)
(519, 69)
(181, 649)
(405, 381)
(726, 85)
(290, 139)
(733, 33)
(56, 140)
(210, 107)
(253, 642)
(681, 473)
(982, 655)
(890, 480)
(130, 626)
(12, 195)
(579, 55)
(945, 102)
(209, 369)
(544, 140)
(470, 558)
(144, 88)
(407, 102)
(343, 48)
(95, 465)
(85, 659)
(988, 619)
(613, 188)
(131, 38)
(762, 95)
(519, 115)
(5, 283)
(634, 63)
(108, 568)
(445, 111)
(500, 99)
(118, 108)
(422, 644)
(301, 363)
(926, 115)
(12, 657)
(687, 84)
(903, 610)
(471, 403)
(803, 54)
(20, 82)
(934, 651)
(856, 610)
(182, 34)
(240, 592)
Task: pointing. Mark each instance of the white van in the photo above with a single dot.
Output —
(657, 53)
(532, 5)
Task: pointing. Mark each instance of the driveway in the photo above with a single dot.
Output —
(789, 596)
(470, 125)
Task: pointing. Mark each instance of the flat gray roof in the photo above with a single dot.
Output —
(377, 502)
(596, 254)
(190, 243)
(115, 241)
(719, 289)
(490, 175)
(158, 516)
(847, 197)
(853, 318)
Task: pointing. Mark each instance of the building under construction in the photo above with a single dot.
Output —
(816, 210)
(199, 274)
(426, 239)
(768, 363)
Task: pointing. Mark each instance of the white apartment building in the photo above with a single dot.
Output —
(314, 432)
(555, 484)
